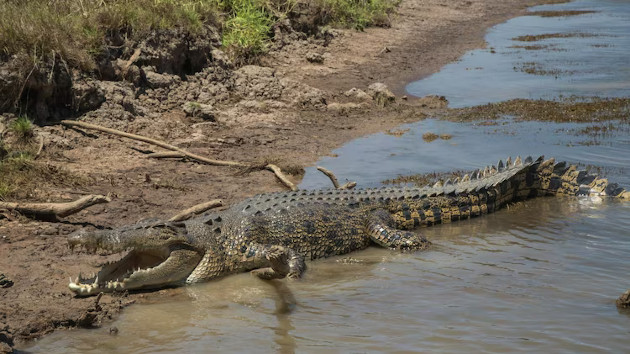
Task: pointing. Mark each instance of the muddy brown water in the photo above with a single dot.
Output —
(539, 276)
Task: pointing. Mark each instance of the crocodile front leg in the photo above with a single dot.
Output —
(283, 261)
(381, 233)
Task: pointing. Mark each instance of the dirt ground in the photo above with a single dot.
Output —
(292, 111)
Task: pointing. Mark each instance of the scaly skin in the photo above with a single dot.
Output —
(273, 234)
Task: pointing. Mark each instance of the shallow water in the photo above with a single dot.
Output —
(540, 276)
(594, 62)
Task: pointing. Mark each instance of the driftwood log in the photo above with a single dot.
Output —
(271, 167)
(199, 208)
(55, 209)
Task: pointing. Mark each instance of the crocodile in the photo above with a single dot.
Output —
(274, 234)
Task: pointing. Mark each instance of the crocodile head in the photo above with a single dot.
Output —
(157, 255)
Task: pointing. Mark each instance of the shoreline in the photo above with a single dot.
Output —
(39, 261)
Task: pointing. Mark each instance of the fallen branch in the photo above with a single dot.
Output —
(199, 208)
(56, 209)
(330, 175)
(165, 155)
(334, 180)
(275, 169)
(159, 143)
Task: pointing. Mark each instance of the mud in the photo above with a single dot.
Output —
(539, 37)
(289, 110)
(571, 109)
(560, 13)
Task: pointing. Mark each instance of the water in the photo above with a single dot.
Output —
(541, 276)
(595, 64)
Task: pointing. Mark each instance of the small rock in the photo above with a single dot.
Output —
(358, 94)
(344, 107)
(155, 80)
(314, 57)
(199, 110)
(381, 94)
(86, 95)
(5, 282)
(623, 302)
(113, 331)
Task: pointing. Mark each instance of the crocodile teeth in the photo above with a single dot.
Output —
(508, 161)
(500, 165)
(518, 161)
(466, 178)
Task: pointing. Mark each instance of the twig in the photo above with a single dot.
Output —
(41, 146)
(56, 209)
(199, 208)
(334, 180)
(134, 57)
(275, 169)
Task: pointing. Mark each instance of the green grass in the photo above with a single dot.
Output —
(247, 33)
(75, 31)
(5, 190)
(358, 14)
(23, 128)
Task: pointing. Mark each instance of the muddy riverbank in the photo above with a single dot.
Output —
(291, 110)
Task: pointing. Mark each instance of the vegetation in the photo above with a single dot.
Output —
(21, 176)
(359, 14)
(247, 32)
(76, 31)
(22, 127)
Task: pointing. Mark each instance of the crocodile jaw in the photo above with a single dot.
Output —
(126, 274)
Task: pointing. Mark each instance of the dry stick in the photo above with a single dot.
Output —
(134, 57)
(330, 175)
(159, 143)
(275, 169)
(349, 185)
(41, 146)
(334, 181)
(165, 155)
(57, 209)
(199, 208)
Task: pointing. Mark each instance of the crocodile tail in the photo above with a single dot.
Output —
(490, 189)
(547, 177)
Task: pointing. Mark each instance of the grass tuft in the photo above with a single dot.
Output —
(23, 128)
(358, 14)
(247, 33)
